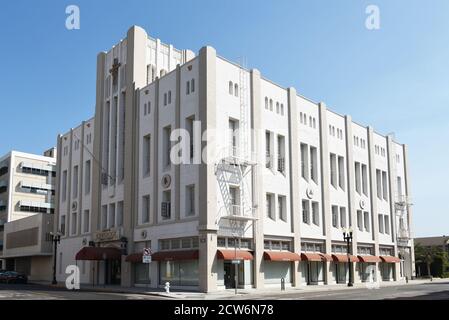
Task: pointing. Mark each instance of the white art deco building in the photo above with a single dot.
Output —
(287, 176)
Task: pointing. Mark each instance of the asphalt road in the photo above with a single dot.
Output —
(425, 291)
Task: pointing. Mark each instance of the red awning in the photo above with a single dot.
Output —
(390, 259)
(369, 259)
(175, 255)
(344, 258)
(231, 255)
(314, 257)
(134, 257)
(99, 253)
(281, 256)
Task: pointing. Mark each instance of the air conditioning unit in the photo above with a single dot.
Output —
(166, 210)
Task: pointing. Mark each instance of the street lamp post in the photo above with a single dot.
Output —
(347, 236)
(56, 239)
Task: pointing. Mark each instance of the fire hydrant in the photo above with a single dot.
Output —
(167, 287)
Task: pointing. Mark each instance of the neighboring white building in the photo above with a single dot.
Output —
(27, 188)
(288, 176)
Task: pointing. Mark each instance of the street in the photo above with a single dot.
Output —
(438, 290)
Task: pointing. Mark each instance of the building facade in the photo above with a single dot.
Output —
(225, 175)
(27, 188)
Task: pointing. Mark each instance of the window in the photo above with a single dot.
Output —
(166, 205)
(399, 187)
(189, 128)
(341, 172)
(300, 117)
(384, 186)
(165, 99)
(192, 85)
(333, 163)
(87, 173)
(277, 108)
(387, 224)
(282, 208)
(335, 216)
(231, 88)
(62, 226)
(146, 154)
(381, 223)
(314, 164)
(188, 87)
(305, 161)
(73, 223)
(190, 200)
(379, 183)
(64, 185)
(120, 214)
(86, 221)
(316, 213)
(111, 219)
(236, 90)
(271, 105)
(358, 183)
(282, 109)
(270, 209)
(366, 221)
(281, 154)
(360, 220)
(343, 223)
(75, 182)
(269, 156)
(146, 209)
(305, 212)
(169, 97)
(233, 136)
(266, 103)
(104, 217)
(167, 146)
(365, 179)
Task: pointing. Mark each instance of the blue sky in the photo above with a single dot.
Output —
(395, 79)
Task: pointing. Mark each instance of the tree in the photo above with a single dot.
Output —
(429, 255)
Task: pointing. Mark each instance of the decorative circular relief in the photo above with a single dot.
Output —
(144, 234)
(309, 193)
(362, 204)
(166, 181)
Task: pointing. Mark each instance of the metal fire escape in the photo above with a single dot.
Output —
(233, 169)
(401, 206)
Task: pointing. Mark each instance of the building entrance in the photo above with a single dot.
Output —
(112, 272)
(229, 275)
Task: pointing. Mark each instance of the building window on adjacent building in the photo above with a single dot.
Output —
(381, 223)
(231, 88)
(236, 90)
(111, 215)
(187, 87)
(282, 109)
(189, 127)
(86, 221)
(146, 155)
(281, 154)
(104, 217)
(387, 224)
(64, 185)
(343, 223)
(306, 211)
(166, 205)
(304, 161)
(277, 108)
(358, 183)
(333, 164)
(282, 208)
(379, 183)
(271, 104)
(384, 186)
(234, 195)
(268, 150)
(266, 103)
(314, 164)
(270, 206)
(87, 173)
(316, 213)
(146, 209)
(335, 216)
(360, 220)
(365, 179)
(192, 85)
(169, 97)
(399, 187)
(165, 99)
(120, 214)
(366, 221)
(62, 226)
(190, 200)
(341, 172)
(167, 146)
(73, 224)
(75, 182)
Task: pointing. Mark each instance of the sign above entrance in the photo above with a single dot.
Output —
(108, 235)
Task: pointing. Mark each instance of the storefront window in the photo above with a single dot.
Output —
(142, 273)
(179, 273)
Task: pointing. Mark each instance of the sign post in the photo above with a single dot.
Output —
(146, 258)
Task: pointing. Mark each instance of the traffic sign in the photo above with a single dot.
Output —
(146, 255)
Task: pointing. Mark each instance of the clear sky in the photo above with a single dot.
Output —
(395, 79)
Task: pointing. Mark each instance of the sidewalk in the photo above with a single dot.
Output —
(230, 293)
